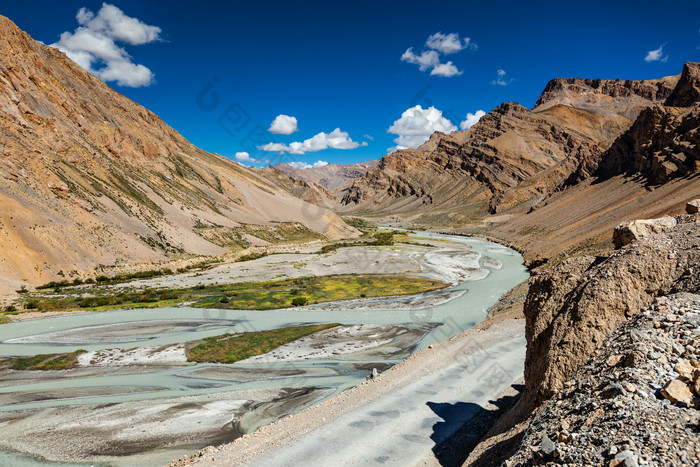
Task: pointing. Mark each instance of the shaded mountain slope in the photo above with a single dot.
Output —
(88, 177)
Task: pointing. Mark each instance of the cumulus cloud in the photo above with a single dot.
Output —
(244, 157)
(501, 78)
(94, 45)
(283, 125)
(416, 125)
(426, 60)
(446, 69)
(656, 55)
(336, 139)
(437, 44)
(304, 165)
(472, 119)
(449, 43)
(113, 23)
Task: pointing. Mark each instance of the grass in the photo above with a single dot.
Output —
(60, 361)
(292, 292)
(4, 319)
(245, 295)
(230, 348)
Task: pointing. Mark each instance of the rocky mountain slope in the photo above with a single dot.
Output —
(650, 170)
(512, 156)
(634, 402)
(88, 178)
(571, 309)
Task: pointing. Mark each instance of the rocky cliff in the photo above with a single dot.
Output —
(88, 177)
(571, 309)
(634, 402)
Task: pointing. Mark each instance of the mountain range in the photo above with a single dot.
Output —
(88, 178)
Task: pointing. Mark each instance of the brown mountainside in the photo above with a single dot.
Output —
(512, 156)
(88, 177)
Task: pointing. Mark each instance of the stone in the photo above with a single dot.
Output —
(696, 382)
(613, 360)
(628, 232)
(547, 446)
(628, 458)
(677, 391)
(684, 368)
(693, 207)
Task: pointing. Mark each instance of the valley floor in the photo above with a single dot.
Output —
(410, 415)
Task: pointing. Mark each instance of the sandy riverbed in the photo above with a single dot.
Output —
(289, 436)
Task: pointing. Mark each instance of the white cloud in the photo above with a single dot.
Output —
(416, 125)
(656, 55)
(449, 43)
(501, 78)
(336, 139)
(472, 119)
(446, 69)
(244, 157)
(283, 125)
(428, 59)
(304, 165)
(94, 46)
(437, 44)
(113, 23)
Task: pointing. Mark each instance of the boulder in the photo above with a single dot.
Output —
(693, 207)
(628, 232)
(677, 391)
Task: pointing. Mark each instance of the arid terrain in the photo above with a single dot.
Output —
(522, 291)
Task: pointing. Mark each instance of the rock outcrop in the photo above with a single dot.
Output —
(687, 92)
(663, 143)
(572, 309)
(634, 402)
(629, 232)
(89, 178)
(693, 206)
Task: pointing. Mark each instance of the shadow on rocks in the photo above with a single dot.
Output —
(464, 425)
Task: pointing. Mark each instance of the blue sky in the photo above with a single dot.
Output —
(338, 65)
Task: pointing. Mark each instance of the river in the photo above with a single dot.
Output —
(150, 414)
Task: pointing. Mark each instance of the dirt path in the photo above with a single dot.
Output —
(397, 419)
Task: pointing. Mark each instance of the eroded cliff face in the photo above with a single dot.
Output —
(572, 309)
(89, 178)
(513, 154)
(662, 144)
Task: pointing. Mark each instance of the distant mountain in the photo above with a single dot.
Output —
(513, 156)
(330, 176)
(89, 178)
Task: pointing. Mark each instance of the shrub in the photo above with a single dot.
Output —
(223, 300)
(10, 308)
(300, 301)
(32, 305)
(22, 289)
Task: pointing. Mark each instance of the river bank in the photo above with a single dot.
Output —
(126, 389)
(491, 351)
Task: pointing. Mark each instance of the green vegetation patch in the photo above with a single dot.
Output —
(298, 292)
(230, 348)
(61, 361)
